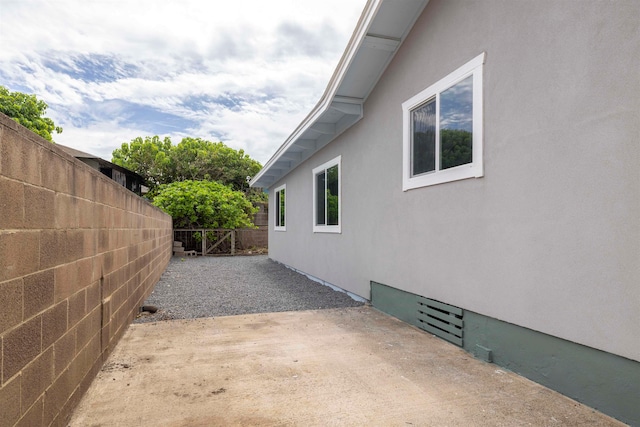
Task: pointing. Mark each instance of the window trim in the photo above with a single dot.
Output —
(276, 209)
(470, 170)
(323, 167)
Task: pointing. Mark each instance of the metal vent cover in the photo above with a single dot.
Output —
(440, 319)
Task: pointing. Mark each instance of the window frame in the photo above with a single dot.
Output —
(469, 170)
(276, 222)
(323, 228)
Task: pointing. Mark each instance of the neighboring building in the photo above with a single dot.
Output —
(473, 168)
(122, 176)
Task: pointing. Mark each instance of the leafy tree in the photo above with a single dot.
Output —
(197, 159)
(160, 162)
(149, 157)
(28, 111)
(204, 204)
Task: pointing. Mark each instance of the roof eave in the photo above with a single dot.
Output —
(341, 106)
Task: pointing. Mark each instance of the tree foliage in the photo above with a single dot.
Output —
(198, 159)
(201, 184)
(28, 111)
(204, 204)
(149, 157)
(195, 159)
(456, 147)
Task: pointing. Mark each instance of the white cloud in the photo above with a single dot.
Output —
(244, 72)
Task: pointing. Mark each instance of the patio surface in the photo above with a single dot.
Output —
(337, 367)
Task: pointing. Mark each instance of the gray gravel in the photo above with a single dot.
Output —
(224, 286)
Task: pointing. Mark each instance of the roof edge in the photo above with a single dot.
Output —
(355, 45)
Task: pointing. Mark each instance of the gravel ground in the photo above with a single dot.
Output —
(224, 286)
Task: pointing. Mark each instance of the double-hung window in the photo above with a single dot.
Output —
(280, 211)
(327, 197)
(442, 129)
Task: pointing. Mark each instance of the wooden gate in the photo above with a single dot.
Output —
(206, 241)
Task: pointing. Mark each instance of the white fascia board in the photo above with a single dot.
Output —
(356, 40)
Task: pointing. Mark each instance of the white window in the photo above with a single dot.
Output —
(327, 197)
(280, 211)
(442, 129)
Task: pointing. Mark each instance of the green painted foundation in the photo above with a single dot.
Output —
(601, 380)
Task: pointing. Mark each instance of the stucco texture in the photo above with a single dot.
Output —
(549, 238)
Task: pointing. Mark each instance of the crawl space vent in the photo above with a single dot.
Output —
(442, 320)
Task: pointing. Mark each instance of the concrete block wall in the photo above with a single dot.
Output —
(78, 255)
(261, 217)
(247, 238)
(258, 237)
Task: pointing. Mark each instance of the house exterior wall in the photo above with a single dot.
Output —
(549, 238)
(79, 253)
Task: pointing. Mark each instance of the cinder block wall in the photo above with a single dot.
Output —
(78, 255)
(259, 237)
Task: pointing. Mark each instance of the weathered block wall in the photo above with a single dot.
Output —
(258, 238)
(78, 255)
(247, 238)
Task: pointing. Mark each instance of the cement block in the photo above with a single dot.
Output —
(108, 285)
(11, 204)
(93, 296)
(36, 377)
(66, 281)
(85, 272)
(77, 308)
(10, 398)
(97, 268)
(39, 211)
(38, 292)
(56, 396)
(77, 171)
(54, 323)
(11, 296)
(90, 242)
(64, 351)
(33, 417)
(103, 240)
(108, 263)
(53, 248)
(119, 296)
(56, 175)
(66, 209)
(21, 161)
(90, 186)
(98, 215)
(17, 263)
(86, 359)
(20, 346)
(86, 209)
(87, 328)
(75, 245)
(120, 258)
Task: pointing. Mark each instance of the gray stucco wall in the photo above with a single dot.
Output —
(549, 238)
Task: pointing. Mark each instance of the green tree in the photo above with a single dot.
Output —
(28, 111)
(198, 159)
(160, 162)
(150, 157)
(204, 204)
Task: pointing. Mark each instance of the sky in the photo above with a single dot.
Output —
(244, 72)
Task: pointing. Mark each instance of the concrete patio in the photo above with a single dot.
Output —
(339, 367)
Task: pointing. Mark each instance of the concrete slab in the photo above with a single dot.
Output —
(342, 367)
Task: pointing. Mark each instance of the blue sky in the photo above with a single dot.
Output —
(244, 72)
